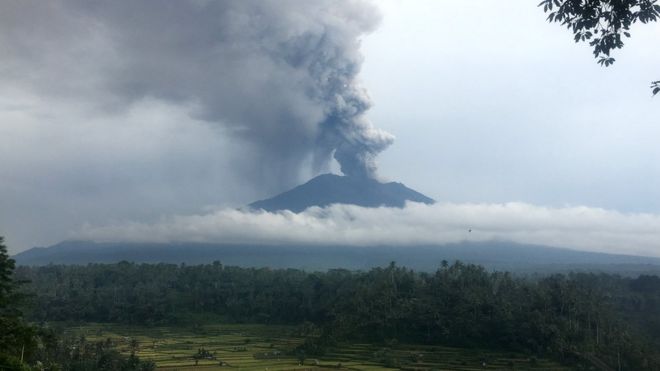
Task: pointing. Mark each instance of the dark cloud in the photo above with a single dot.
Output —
(279, 75)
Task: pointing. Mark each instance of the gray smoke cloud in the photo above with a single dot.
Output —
(279, 75)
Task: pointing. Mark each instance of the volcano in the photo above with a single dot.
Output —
(328, 189)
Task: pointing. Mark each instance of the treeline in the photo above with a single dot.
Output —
(569, 317)
(25, 346)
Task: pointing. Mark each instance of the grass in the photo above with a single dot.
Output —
(241, 347)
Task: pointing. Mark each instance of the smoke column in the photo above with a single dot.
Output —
(279, 75)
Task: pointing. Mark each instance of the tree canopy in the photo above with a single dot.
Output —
(602, 23)
(6, 283)
(464, 305)
(25, 346)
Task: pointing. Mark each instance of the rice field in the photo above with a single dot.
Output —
(269, 348)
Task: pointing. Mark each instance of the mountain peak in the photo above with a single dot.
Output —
(327, 189)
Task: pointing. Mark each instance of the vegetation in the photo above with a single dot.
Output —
(573, 318)
(76, 353)
(602, 23)
(28, 347)
(15, 336)
(257, 347)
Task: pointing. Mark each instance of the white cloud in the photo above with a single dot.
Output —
(577, 227)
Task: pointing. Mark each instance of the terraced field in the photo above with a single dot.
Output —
(269, 348)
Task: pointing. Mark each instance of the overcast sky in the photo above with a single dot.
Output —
(496, 114)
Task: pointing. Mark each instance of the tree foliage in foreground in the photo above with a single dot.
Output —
(602, 23)
(566, 317)
(16, 336)
(25, 347)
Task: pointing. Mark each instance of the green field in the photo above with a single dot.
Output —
(265, 347)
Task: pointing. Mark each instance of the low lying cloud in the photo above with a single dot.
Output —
(577, 227)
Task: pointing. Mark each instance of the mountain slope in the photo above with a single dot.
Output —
(327, 189)
(497, 255)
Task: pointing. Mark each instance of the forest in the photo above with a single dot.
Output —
(571, 318)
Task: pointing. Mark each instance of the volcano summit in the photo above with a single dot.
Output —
(328, 189)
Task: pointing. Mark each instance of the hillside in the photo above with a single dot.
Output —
(328, 189)
(497, 255)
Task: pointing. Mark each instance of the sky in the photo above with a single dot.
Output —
(116, 128)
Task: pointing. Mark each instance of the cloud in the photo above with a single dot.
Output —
(281, 76)
(130, 110)
(114, 111)
(576, 227)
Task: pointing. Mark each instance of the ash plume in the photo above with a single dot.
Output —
(279, 75)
